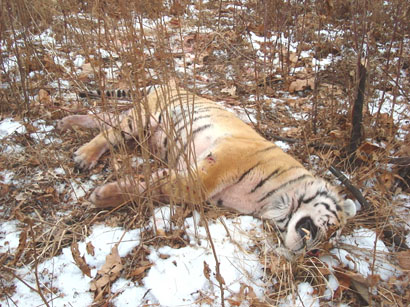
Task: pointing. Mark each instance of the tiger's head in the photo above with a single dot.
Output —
(308, 215)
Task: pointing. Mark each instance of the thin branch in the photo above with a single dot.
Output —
(355, 191)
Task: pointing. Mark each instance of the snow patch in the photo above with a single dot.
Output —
(9, 236)
(70, 287)
(365, 247)
(304, 297)
(8, 126)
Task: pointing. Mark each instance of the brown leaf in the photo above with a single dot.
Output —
(90, 248)
(220, 279)
(4, 189)
(207, 271)
(373, 280)
(362, 289)
(21, 247)
(51, 66)
(404, 259)
(44, 97)
(293, 57)
(233, 302)
(300, 85)
(87, 72)
(231, 91)
(368, 147)
(140, 270)
(80, 261)
(175, 23)
(336, 134)
(109, 272)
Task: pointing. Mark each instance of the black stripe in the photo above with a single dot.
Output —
(129, 122)
(267, 149)
(200, 108)
(289, 218)
(282, 186)
(201, 117)
(194, 120)
(328, 209)
(123, 134)
(199, 129)
(247, 172)
(277, 173)
(318, 193)
(262, 182)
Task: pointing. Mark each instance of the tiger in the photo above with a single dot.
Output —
(234, 166)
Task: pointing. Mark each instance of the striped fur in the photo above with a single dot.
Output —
(234, 166)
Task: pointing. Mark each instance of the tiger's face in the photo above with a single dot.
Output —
(315, 214)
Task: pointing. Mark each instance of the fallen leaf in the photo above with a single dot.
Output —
(233, 302)
(207, 271)
(301, 85)
(21, 247)
(231, 91)
(86, 73)
(44, 97)
(4, 189)
(336, 134)
(109, 272)
(80, 261)
(139, 270)
(368, 147)
(175, 23)
(362, 289)
(373, 280)
(90, 248)
(404, 259)
(293, 57)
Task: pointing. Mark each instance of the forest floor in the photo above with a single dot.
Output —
(289, 69)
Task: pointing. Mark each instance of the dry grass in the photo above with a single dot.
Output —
(175, 44)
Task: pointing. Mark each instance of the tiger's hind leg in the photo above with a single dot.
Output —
(101, 121)
(165, 185)
(120, 192)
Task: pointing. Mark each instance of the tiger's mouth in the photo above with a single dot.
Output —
(303, 235)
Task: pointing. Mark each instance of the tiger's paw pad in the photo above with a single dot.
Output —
(85, 158)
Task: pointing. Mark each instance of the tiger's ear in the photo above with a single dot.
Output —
(349, 208)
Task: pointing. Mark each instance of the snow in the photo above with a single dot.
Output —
(70, 287)
(8, 126)
(79, 190)
(9, 236)
(303, 298)
(369, 255)
(176, 277)
(6, 176)
(182, 272)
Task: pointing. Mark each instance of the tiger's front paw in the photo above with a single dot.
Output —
(86, 157)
